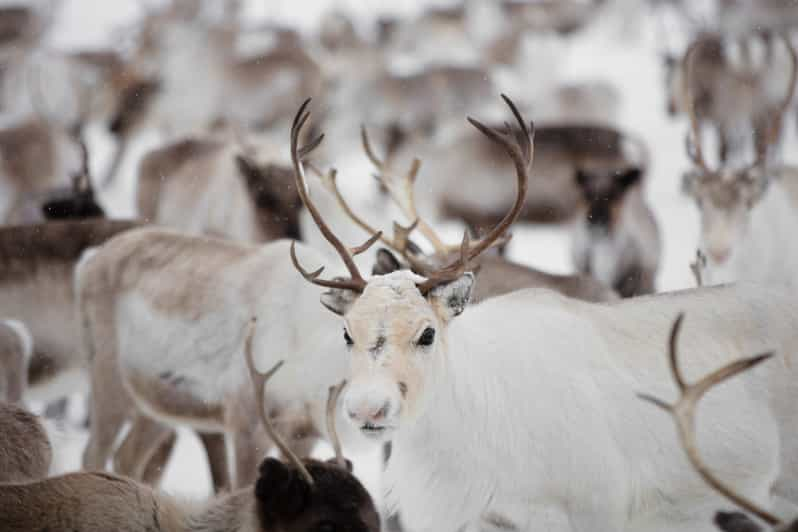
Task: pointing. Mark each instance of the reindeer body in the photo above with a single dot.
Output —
(589, 360)
(205, 187)
(99, 502)
(34, 159)
(36, 287)
(25, 451)
(616, 240)
(179, 373)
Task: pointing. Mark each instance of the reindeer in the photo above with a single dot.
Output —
(562, 152)
(37, 265)
(497, 275)
(77, 202)
(296, 496)
(189, 375)
(616, 238)
(746, 213)
(683, 413)
(25, 451)
(244, 91)
(420, 361)
(729, 98)
(180, 185)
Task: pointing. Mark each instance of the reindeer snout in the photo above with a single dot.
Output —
(719, 255)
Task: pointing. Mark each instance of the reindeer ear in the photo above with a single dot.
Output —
(450, 299)
(629, 177)
(386, 263)
(348, 462)
(280, 490)
(338, 300)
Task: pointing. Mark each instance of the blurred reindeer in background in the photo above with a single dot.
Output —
(748, 213)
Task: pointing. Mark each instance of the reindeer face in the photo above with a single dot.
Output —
(336, 501)
(603, 193)
(395, 337)
(725, 201)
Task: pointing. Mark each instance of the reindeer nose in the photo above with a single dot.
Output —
(370, 413)
(719, 255)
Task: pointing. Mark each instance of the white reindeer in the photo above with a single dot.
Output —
(521, 409)
(749, 214)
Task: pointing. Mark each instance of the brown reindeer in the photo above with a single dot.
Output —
(297, 496)
(561, 152)
(25, 450)
(213, 187)
(37, 265)
(497, 275)
(683, 412)
(729, 98)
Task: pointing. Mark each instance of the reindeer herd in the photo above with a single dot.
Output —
(503, 397)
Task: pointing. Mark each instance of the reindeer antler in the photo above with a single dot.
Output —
(356, 282)
(332, 401)
(259, 381)
(518, 145)
(400, 242)
(683, 412)
(694, 147)
(773, 129)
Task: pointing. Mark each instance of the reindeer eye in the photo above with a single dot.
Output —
(347, 338)
(427, 337)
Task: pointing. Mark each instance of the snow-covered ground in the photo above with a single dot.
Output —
(630, 62)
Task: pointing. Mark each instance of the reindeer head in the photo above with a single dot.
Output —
(726, 196)
(395, 326)
(307, 495)
(603, 193)
(273, 191)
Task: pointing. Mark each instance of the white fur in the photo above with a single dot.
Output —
(530, 406)
(761, 248)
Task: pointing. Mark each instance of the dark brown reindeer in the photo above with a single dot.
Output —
(294, 496)
(683, 412)
(181, 185)
(497, 275)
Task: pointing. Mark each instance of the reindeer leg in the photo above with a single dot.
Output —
(249, 440)
(156, 465)
(141, 444)
(110, 406)
(216, 449)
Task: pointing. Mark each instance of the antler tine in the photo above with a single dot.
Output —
(683, 412)
(400, 242)
(405, 199)
(332, 402)
(773, 129)
(697, 152)
(357, 282)
(259, 381)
